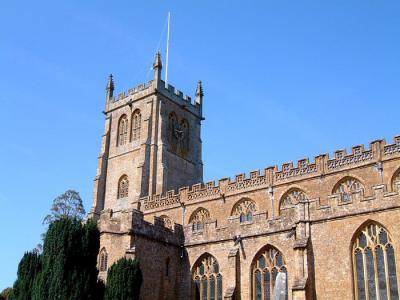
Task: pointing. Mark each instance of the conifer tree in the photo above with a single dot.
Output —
(69, 261)
(124, 279)
(28, 269)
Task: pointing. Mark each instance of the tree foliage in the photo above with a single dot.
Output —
(69, 261)
(6, 294)
(28, 269)
(124, 279)
(66, 205)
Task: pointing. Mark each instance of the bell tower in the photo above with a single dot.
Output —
(151, 143)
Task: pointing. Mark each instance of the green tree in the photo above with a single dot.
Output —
(28, 269)
(69, 261)
(6, 294)
(124, 279)
(66, 205)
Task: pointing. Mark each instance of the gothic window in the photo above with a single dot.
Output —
(103, 260)
(122, 131)
(396, 179)
(374, 264)
(173, 132)
(245, 209)
(199, 217)
(136, 125)
(123, 187)
(167, 221)
(347, 187)
(184, 141)
(207, 279)
(269, 275)
(292, 197)
(167, 267)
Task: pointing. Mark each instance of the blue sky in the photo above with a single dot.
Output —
(283, 80)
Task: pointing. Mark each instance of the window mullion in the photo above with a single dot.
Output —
(366, 288)
(378, 296)
(387, 274)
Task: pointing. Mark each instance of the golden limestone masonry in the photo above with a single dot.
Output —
(322, 229)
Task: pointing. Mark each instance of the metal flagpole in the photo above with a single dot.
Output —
(167, 56)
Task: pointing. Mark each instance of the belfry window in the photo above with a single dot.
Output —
(245, 209)
(123, 187)
(207, 279)
(122, 131)
(103, 260)
(374, 265)
(269, 275)
(136, 125)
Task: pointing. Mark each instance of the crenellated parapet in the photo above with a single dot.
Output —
(323, 164)
(132, 222)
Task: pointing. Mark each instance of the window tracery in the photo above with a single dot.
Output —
(122, 131)
(199, 218)
(347, 187)
(245, 209)
(167, 221)
(269, 272)
(374, 265)
(396, 179)
(178, 135)
(103, 260)
(123, 187)
(207, 279)
(136, 125)
(292, 197)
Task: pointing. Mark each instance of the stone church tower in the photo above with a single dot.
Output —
(151, 143)
(321, 228)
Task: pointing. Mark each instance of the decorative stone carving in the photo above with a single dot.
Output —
(342, 160)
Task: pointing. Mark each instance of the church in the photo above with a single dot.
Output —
(325, 228)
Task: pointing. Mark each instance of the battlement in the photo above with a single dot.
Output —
(146, 88)
(132, 92)
(175, 94)
(273, 176)
(132, 221)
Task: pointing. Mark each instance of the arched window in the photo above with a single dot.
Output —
(123, 187)
(184, 142)
(173, 132)
(347, 187)
(167, 221)
(245, 209)
(167, 266)
(207, 279)
(291, 198)
(136, 125)
(198, 218)
(103, 260)
(374, 264)
(396, 180)
(122, 130)
(269, 278)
